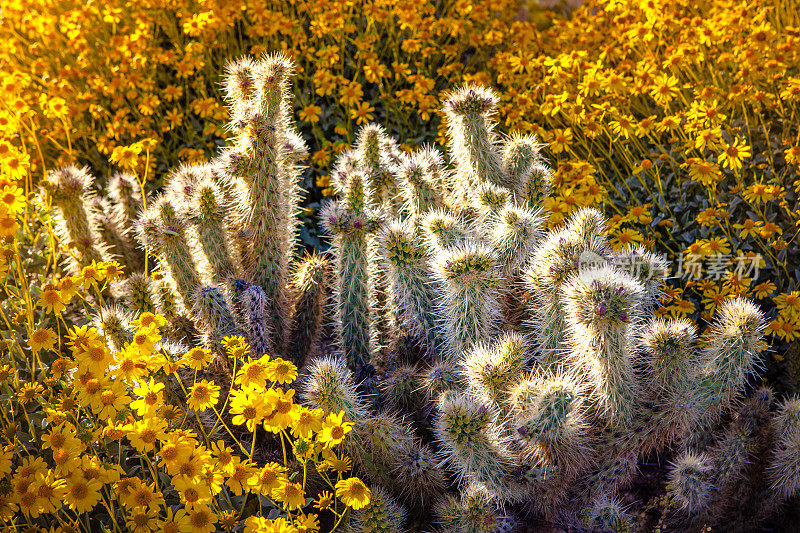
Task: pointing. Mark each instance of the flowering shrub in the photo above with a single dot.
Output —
(137, 438)
(136, 85)
(679, 123)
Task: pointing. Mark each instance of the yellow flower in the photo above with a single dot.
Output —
(49, 491)
(151, 397)
(324, 501)
(334, 430)
(561, 139)
(716, 246)
(236, 346)
(307, 523)
(749, 228)
(764, 289)
(174, 522)
(148, 319)
(310, 113)
(362, 113)
(353, 492)
(201, 520)
(145, 339)
(69, 287)
(51, 301)
(291, 494)
(12, 200)
(268, 478)
(203, 395)
(789, 302)
(42, 339)
(144, 434)
(733, 155)
(281, 371)
(29, 392)
(306, 422)
(248, 408)
(252, 374)
(82, 494)
(126, 157)
(704, 172)
(140, 520)
(340, 464)
(351, 93)
(91, 274)
(241, 472)
(665, 89)
(282, 410)
(111, 270)
(197, 358)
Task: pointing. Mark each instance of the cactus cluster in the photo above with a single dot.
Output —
(223, 233)
(495, 371)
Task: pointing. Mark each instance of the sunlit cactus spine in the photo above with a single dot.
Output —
(254, 323)
(733, 344)
(489, 369)
(579, 246)
(419, 476)
(399, 387)
(330, 385)
(114, 324)
(381, 515)
(550, 426)
(470, 308)
(138, 292)
(311, 295)
(117, 243)
(474, 145)
(373, 446)
(690, 482)
(124, 193)
(70, 190)
(651, 270)
(607, 514)
(265, 159)
(475, 511)
(209, 215)
(670, 353)
(602, 314)
(474, 445)
(488, 200)
(525, 170)
(783, 462)
(351, 225)
(213, 314)
(378, 157)
(417, 182)
(738, 457)
(166, 234)
(515, 236)
(412, 282)
(442, 230)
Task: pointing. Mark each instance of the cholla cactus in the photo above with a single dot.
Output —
(381, 515)
(543, 379)
(594, 383)
(76, 223)
(310, 286)
(352, 226)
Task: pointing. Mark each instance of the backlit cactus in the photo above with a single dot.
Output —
(491, 369)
